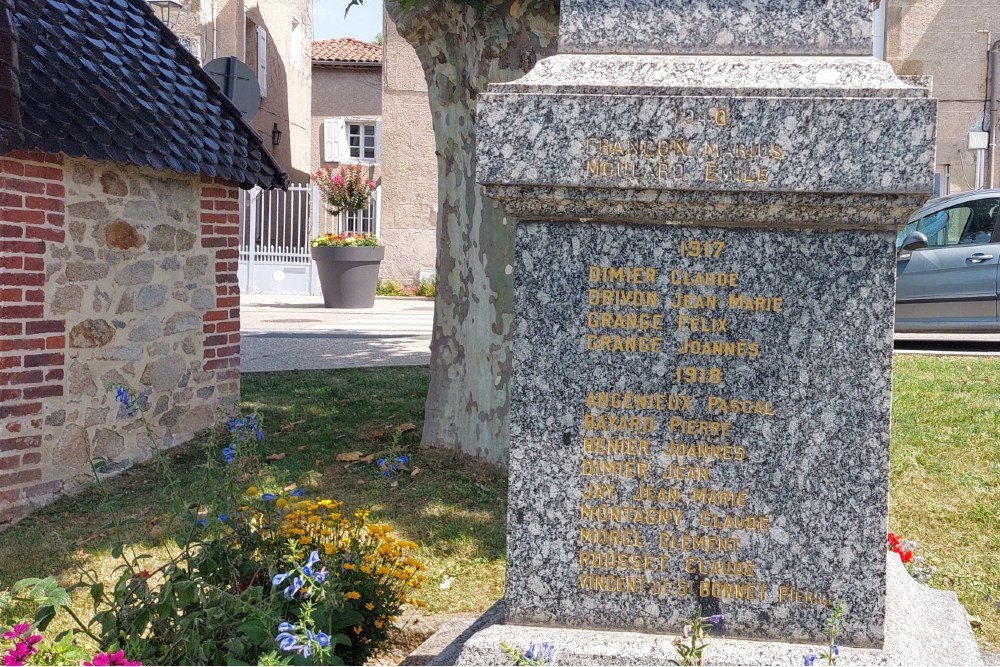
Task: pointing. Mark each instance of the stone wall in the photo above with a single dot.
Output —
(947, 40)
(409, 164)
(112, 275)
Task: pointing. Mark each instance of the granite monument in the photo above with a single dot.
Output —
(707, 195)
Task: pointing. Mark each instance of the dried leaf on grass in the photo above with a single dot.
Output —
(302, 448)
(348, 457)
(415, 472)
(275, 457)
(290, 426)
(407, 426)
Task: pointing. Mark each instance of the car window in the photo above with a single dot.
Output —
(970, 223)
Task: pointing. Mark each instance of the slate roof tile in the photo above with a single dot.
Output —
(345, 50)
(106, 80)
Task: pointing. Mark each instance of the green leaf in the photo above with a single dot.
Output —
(256, 631)
(116, 550)
(97, 594)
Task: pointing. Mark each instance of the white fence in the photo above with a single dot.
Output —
(276, 229)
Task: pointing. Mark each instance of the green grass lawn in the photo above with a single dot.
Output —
(945, 477)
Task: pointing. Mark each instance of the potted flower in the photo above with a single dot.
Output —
(347, 264)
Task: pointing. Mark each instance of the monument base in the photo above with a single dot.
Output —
(923, 626)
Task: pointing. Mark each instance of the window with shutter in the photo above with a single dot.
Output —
(333, 140)
(262, 60)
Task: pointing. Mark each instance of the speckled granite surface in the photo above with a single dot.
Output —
(807, 125)
(924, 626)
(703, 330)
(765, 428)
(716, 26)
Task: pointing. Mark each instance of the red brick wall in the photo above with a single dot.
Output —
(32, 347)
(220, 229)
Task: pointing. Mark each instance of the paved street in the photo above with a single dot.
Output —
(282, 332)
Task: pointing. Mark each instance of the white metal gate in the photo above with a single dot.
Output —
(276, 229)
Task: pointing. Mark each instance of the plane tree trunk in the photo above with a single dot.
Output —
(463, 49)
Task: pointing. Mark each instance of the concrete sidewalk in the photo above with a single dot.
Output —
(290, 332)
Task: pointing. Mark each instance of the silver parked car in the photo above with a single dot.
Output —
(948, 265)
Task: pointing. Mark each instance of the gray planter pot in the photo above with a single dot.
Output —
(348, 276)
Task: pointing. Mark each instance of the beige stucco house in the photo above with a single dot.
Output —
(409, 164)
(363, 113)
(951, 40)
(273, 39)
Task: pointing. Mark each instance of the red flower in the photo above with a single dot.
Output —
(905, 556)
(894, 539)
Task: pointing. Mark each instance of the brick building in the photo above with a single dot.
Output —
(119, 174)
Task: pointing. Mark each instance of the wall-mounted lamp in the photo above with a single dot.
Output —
(167, 11)
(275, 135)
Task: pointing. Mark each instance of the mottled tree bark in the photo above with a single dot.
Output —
(462, 50)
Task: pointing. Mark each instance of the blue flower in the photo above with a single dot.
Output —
(313, 558)
(836, 650)
(322, 639)
(269, 497)
(714, 619)
(545, 653)
(293, 588)
(403, 458)
(202, 522)
(288, 642)
(320, 576)
(810, 659)
(380, 463)
(223, 518)
(278, 578)
(229, 454)
(284, 626)
(297, 493)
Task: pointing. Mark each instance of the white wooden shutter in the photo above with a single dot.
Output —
(378, 141)
(262, 60)
(334, 140)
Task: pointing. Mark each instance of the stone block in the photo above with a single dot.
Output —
(88, 210)
(150, 297)
(835, 27)
(91, 333)
(924, 626)
(123, 236)
(163, 238)
(163, 374)
(196, 266)
(183, 321)
(67, 299)
(149, 329)
(113, 184)
(136, 273)
(108, 444)
(203, 299)
(77, 272)
(73, 449)
(141, 211)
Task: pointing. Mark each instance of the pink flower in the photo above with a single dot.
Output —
(338, 178)
(371, 184)
(117, 658)
(19, 654)
(19, 630)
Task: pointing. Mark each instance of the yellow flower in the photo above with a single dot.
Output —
(366, 569)
(378, 624)
(357, 629)
(280, 502)
(252, 491)
(353, 595)
(369, 606)
(382, 569)
(348, 566)
(305, 540)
